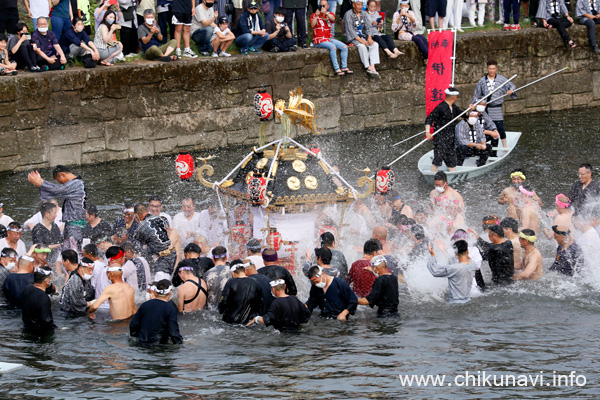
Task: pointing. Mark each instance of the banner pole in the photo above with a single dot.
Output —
(453, 55)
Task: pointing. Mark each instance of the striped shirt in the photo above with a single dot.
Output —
(494, 106)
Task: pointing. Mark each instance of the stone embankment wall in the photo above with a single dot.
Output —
(143, 109)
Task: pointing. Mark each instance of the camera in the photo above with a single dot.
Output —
(283, 25)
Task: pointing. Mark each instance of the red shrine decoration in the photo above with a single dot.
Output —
(257, 187)
(184, 165)
(274, 240)
(263, 104)
(385, 180)
(241, 233)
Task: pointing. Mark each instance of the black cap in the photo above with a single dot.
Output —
(223, 20)
(253, 4)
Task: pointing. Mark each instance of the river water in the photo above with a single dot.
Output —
(546, 328)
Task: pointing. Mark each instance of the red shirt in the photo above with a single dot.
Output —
(363, 279)
(322, 30)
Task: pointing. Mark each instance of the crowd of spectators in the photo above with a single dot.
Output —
(57, 33)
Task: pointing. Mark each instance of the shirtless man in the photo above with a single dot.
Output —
(120, 295)
(509, 195)
(511, 232)
(562, 215)
(192, 294)
(527, 209)
(447, 203)
(533, 267)
(401, 207)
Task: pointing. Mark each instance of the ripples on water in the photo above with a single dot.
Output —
(549, 325)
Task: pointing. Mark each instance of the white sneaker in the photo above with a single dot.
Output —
(225, 54)
(120, 58)
(215, 54)
(178, 53)
(189, 53)
(500, 22)
(131, 55)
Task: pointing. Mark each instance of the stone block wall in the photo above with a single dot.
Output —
(144, 108)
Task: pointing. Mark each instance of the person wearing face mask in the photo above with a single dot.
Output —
(45, 44)
(21, 51)
(105, 39)
(241, 299)
(251, 33)
(150, 39)
(8, 261)
(78, 293)
(460, 274)
(443, 196)
(203, 25)
(405, 24)
(280, 35)
(355, 30)
(285, 313)
(384, 294)
(36, 307)
(332, 295)
(156, 320)
(470, 141)
(489, 128)
(77, 44)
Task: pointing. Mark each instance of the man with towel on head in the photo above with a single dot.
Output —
(569, 257)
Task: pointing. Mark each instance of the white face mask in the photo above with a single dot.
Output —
(43, 30)
(321, 285)
(10, 265)
(110, 21)
(480, 108)
(440, 189)
(87, 277)
(472, 120)
(148, 296)
(279, 19)
(150, 21)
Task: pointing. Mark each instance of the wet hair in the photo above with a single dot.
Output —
(2, 37)
(92, 209)
(14, 225)
(327, 239)
(372, 246)
(440, 176)
(76, 20)
(410, 221)
(8, 252)
(113, 251)
(313, 271)
(219, 251)
(163, 284)
(192, 248)
(497, 229)
(510, 223)
(47, 207)
(418, 232)
(398, 219)
(492, 62)
(324, 254)
(528, 232)
(70, 256)
(39, 277)
(155, 197)
(91, 249)
(586, 166)
(139, 208)
(128, 246)
(460, 247)
(59, 169)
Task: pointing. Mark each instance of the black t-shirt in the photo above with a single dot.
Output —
(384, 295)
(265, 287)
(271, 26)
(8, 4)
(13, 286)
(500, 257)
(102, 230)
(156, 322)
(36, 310)
(241, 300)
(40, 234)
(274, 272)
(286, 314)
(182, 6)
(440, 116)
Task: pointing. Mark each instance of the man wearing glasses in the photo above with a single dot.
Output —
(584, 191)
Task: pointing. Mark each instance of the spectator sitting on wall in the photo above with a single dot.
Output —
(105, 39)
(203, 25)
(76, 43)
(46, 47)
(374, 25)
(355, 30)
(322, 37)
(150, 39)
(21, 51)
(404, 24)
(6, 66)
(222, 38)
(251, 33)
(280, 35)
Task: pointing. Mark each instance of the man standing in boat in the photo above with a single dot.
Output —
(443, 142)
(484, 87)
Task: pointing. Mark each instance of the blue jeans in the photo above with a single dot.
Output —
(274, 4)
(202, 37)
(246, 40)
(59, 25)
(332, 45)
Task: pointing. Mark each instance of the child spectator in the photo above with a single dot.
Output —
(6, 67)
(21, 51)
(222, 38)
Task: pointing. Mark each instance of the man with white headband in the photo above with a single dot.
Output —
(36, 307)
(127, 220)
(384, 294)
(78, 293)
(563, 214)
(242, 297)
(569, 257)
(13, 239)
(192, 293)
(332, 295)
(4, 219)
(217, 276)
(263, 282)
(254, 253)
(286, 313)
(120, 295)
(8, 261)
(444, 140)
(156, 320)
(460, 272)
(532, 262)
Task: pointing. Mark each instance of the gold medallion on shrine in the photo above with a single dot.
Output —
(262, 162)
(299, 166)
(293, 183)
(311, 182)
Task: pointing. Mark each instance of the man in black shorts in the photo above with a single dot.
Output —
(444, 142)
(439, 7)
(183, 11)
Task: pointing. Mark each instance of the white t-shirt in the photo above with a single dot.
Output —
(213, 230)
(217, 29)
(21, 250)
(100, 281)
(184, 225)
(201, 14)
(39, 8)
(130, 272)
(5, 220)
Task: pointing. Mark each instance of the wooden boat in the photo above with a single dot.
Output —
(469, 170)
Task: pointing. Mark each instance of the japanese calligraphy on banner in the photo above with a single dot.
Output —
(438, 76)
